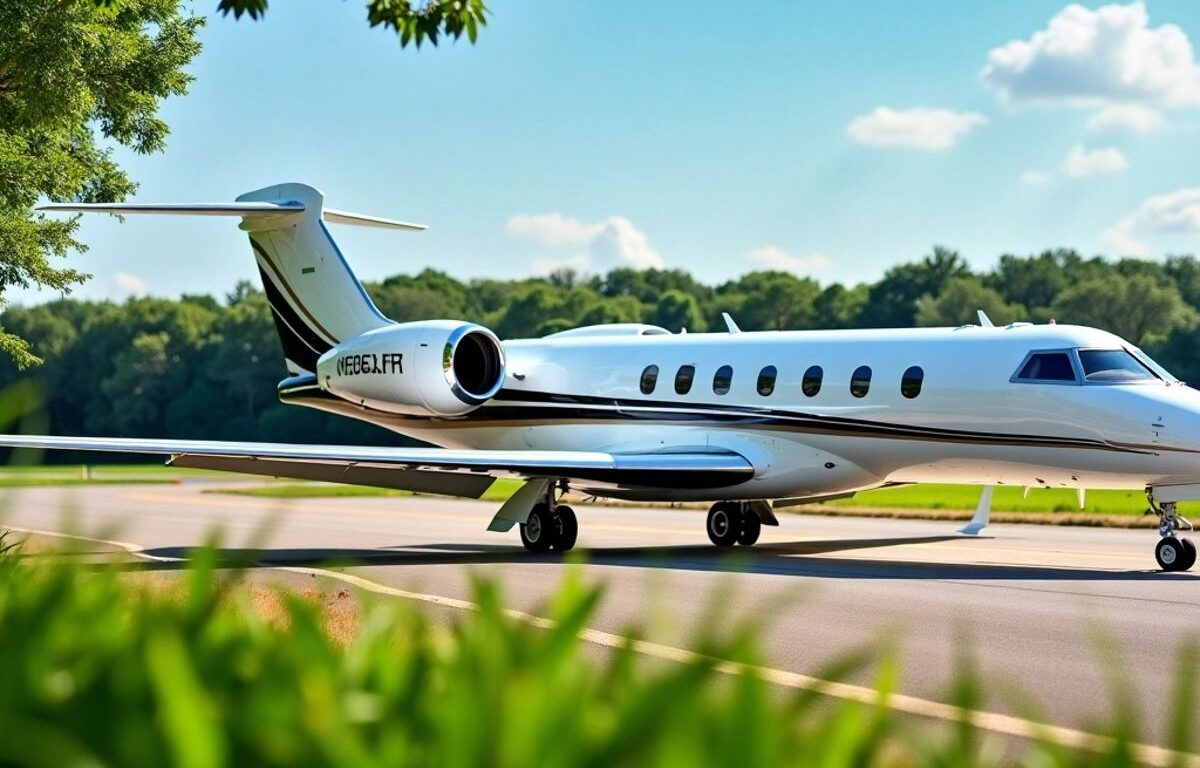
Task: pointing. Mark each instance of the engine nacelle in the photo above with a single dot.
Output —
(429, 368)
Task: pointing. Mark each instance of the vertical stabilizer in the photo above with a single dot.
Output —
(316, 300)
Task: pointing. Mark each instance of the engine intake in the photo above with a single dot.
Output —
(430, 368)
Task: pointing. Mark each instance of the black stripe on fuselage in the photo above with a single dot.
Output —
(538, 407)
(299, 343)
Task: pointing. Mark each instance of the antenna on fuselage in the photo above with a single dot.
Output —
(731, 326)
(984, 320)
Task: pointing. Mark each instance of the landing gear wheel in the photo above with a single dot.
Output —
(723, 524)
(538, 532)
(1170, 554)
(566, 527)
(751, 527)
(1189, 555)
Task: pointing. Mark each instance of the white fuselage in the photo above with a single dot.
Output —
(970, 423)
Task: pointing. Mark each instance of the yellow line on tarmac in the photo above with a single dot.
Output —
(996, 722)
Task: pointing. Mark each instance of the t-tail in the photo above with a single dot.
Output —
(316, 300)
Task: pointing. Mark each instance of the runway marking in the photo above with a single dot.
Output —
(996, 722)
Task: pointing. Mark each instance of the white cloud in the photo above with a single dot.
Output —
(551, 228)
(775, 258)
(925, 128)
(1035, 178)
(1096, 58)
(1082, 162)
(129, 285)
(1174, 213)
(1125, 117)
(603, 245)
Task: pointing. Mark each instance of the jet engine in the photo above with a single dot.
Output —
(428, 368)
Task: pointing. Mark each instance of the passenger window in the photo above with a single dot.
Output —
(766, 380)
(910, 382)
(683, 379)
(1113, 365)
(649, 379)
(810, 385)
(722, 380)
(860, 382)
(1048, 366)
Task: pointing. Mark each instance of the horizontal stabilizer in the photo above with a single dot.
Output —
(247, 210)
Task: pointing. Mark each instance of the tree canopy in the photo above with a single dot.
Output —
(204, 367)
(75, 79)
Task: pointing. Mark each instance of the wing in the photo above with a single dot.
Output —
(430, 470)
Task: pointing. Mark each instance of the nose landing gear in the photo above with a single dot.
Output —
(1172, 552)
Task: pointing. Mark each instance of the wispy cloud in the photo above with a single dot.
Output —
(926, 128)
(1174, 213)
(128, 285)
(774, 258)
(1035, 178)
(597, 246)
(1082, 162)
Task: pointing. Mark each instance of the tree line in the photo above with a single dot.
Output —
(206, 368)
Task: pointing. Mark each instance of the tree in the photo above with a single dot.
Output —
(892, 302)
(676, 311)
(1137, 308)
(71, 72)
(960, 302)
(429, 20)
(771, 301)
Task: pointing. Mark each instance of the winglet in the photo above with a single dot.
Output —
(982, 512)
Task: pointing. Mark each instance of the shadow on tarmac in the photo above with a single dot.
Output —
(787, 559)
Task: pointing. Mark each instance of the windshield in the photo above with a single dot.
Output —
(1149, 362)
(1117, 365)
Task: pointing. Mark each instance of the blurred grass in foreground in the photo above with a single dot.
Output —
(102, 667)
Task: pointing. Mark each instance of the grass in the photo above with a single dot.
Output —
(1004, 499)
(211, 670)
(102, 474)
(290, 489)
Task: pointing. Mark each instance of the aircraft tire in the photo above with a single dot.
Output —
(567, 528)
(722, 524)
(1189, 555)
(1170, 554)
(750, 529)
(537, 534)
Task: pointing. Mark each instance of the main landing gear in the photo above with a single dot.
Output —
(1172, 552)
(733, 522)
(550, 526)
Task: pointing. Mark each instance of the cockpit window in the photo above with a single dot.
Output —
(1113, 365)
(1149, 362)
(1047, 366)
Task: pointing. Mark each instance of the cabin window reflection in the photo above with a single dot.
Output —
(683, 379)
(910, 382)
(810, 385)
(649, 379)
(766, 380)
(860, 382)
(722, 379)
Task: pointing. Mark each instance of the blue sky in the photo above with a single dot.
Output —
(834, 139)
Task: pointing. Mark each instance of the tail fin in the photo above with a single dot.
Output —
(315, 298)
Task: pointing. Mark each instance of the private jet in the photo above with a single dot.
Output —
(750, 422)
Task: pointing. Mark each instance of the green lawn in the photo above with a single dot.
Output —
(289, 489)
(1005, 499)
(76, 474)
